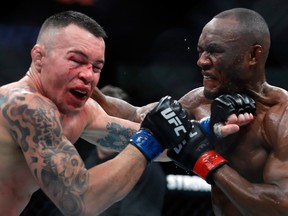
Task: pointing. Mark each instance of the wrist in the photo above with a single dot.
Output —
(207, 163)
(205, 125)
(147, 144)
(208, 129)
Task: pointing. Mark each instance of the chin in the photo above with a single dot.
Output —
(69, 110)
(209, 94)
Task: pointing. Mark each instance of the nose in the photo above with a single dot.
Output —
(203, 60)
(87, 74)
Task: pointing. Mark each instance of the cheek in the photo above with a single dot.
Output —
(96, 79)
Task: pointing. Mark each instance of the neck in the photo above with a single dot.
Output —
(34, 80)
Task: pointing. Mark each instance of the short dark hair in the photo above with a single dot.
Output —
(247, 18)
(252, 25)
(66, 18)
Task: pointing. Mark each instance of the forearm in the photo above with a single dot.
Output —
(114, 106)
(120, 108)
(248, 198)
(107, 187)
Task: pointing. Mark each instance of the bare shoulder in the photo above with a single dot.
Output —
(193, 97)
(191, 101)
(273, 103)
(23, 99)
(18, 94)
(275, 124)
(22, 108)
(273, 95)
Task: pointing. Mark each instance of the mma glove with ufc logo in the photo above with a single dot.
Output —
(164, 127)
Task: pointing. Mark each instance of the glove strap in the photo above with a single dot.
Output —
(147, 144)
(207, 163)
(206, 126)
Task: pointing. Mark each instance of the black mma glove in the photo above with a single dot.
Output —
(225, 105)
(198, 155)
(165, 126)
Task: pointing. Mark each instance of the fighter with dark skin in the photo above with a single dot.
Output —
(233, 49)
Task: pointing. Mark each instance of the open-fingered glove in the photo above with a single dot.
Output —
(222, 107)
(165, 126)
(198, 155)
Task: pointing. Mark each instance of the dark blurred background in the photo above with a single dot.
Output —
(151, 45)
(151, 52)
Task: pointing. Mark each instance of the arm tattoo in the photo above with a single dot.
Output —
(117, 138)
(36, 125)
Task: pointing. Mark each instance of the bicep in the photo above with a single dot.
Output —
(60, 172)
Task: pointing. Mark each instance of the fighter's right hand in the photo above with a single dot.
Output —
(199, 154)
(165, 126)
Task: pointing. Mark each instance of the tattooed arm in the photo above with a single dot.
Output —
(107, 131)
(35, 123)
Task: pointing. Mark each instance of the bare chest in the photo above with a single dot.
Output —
(245, 152)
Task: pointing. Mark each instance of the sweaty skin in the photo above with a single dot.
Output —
(233, 49)
(255, 181)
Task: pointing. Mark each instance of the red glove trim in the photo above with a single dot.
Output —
(207, 162)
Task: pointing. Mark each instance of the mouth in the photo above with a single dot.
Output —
(208, 76)
(210, 81)
(79, 94)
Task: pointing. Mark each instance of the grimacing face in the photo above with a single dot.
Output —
(221, 58)
(71, 69)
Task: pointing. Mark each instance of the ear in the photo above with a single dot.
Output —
(256, 53)
(37, 54)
